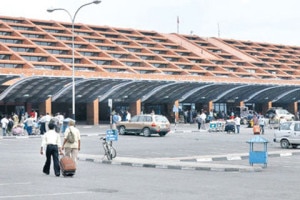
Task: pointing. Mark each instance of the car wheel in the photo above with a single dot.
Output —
(122, 130)
(284, 144)
(162, 134)
(146, 132)
(294, 146)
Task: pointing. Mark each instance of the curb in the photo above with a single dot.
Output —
(167, 164)
(233, 157)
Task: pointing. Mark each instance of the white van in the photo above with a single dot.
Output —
(288, 134)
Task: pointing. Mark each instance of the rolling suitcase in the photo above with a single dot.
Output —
(256, 130)
(230, 128)
(67, 166)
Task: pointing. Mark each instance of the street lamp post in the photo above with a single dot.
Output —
(73, 48)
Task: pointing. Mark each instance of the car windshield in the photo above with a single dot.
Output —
(159, 118)
(285, 126)
(282, 112)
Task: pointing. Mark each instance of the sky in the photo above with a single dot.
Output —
(271, 21)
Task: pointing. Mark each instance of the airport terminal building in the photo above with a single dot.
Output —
(138, 70)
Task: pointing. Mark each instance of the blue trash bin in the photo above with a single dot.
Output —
(258, 156)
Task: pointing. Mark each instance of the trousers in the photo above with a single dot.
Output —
(52, 151)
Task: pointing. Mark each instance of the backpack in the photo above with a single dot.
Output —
(10, 124)
(70, 137)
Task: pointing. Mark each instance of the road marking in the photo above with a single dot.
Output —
(21, 183)
(44, 195)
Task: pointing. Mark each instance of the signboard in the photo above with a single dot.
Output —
(111, 135)
(110, 103)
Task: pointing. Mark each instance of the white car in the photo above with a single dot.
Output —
(288, 134)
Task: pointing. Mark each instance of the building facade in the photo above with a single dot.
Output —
(139, 71)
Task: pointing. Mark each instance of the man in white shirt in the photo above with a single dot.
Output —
(128, 115)
(51, 140)
(261, 122)
(4, 123)
(237, 121)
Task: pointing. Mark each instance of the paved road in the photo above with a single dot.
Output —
(21, 165)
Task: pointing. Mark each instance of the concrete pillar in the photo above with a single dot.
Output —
(266, 107)
(46, 107)
(135, 107)
(293, 108)
(210, 106)
(92, 109)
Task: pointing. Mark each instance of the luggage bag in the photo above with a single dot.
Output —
(256, 130)
(67, 166)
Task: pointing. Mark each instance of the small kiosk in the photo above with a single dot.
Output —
(258, 156)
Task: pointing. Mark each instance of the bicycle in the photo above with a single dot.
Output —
(109, 150)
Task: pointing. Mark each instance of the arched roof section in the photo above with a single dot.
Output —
(34, 89)
(88, 90)
(171, 92)
(208, 93)
(191, 92)
(7, 77)
(134, 91)
(267, 94)
(239, 93)
(292, 95)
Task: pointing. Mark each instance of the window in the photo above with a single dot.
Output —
(285, 126)
(86, 53)
(33, 35)
(134, 118)
(107, 48)
(54, 31)
(56, 51)
(22, 49)
(43, 43)
(297, 127)
(4, 57)
(52, 67)
(5, 33)
(9, 65)
(13, 41)
(36, 58)
(103, 62)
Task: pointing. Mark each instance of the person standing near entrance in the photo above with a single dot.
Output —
(261, 122)
(51, 140)
(4, 123)
(237, 121)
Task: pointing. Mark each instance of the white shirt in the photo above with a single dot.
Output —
(128, 116)
(29, 121)
(237, 121)
(4, 122)
(51, 137)
(261, 121)
(47, 118)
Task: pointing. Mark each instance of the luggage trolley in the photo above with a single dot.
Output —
(216, 126)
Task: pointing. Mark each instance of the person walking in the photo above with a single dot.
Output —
(72, 148)
(237, 121)
(29, 124)
(128, 116)
(199, 120)
(203, 119)
(51, 140)
(4, 123)
(261, 122)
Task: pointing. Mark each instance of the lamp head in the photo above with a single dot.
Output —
(96, 2)
(50, 10)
